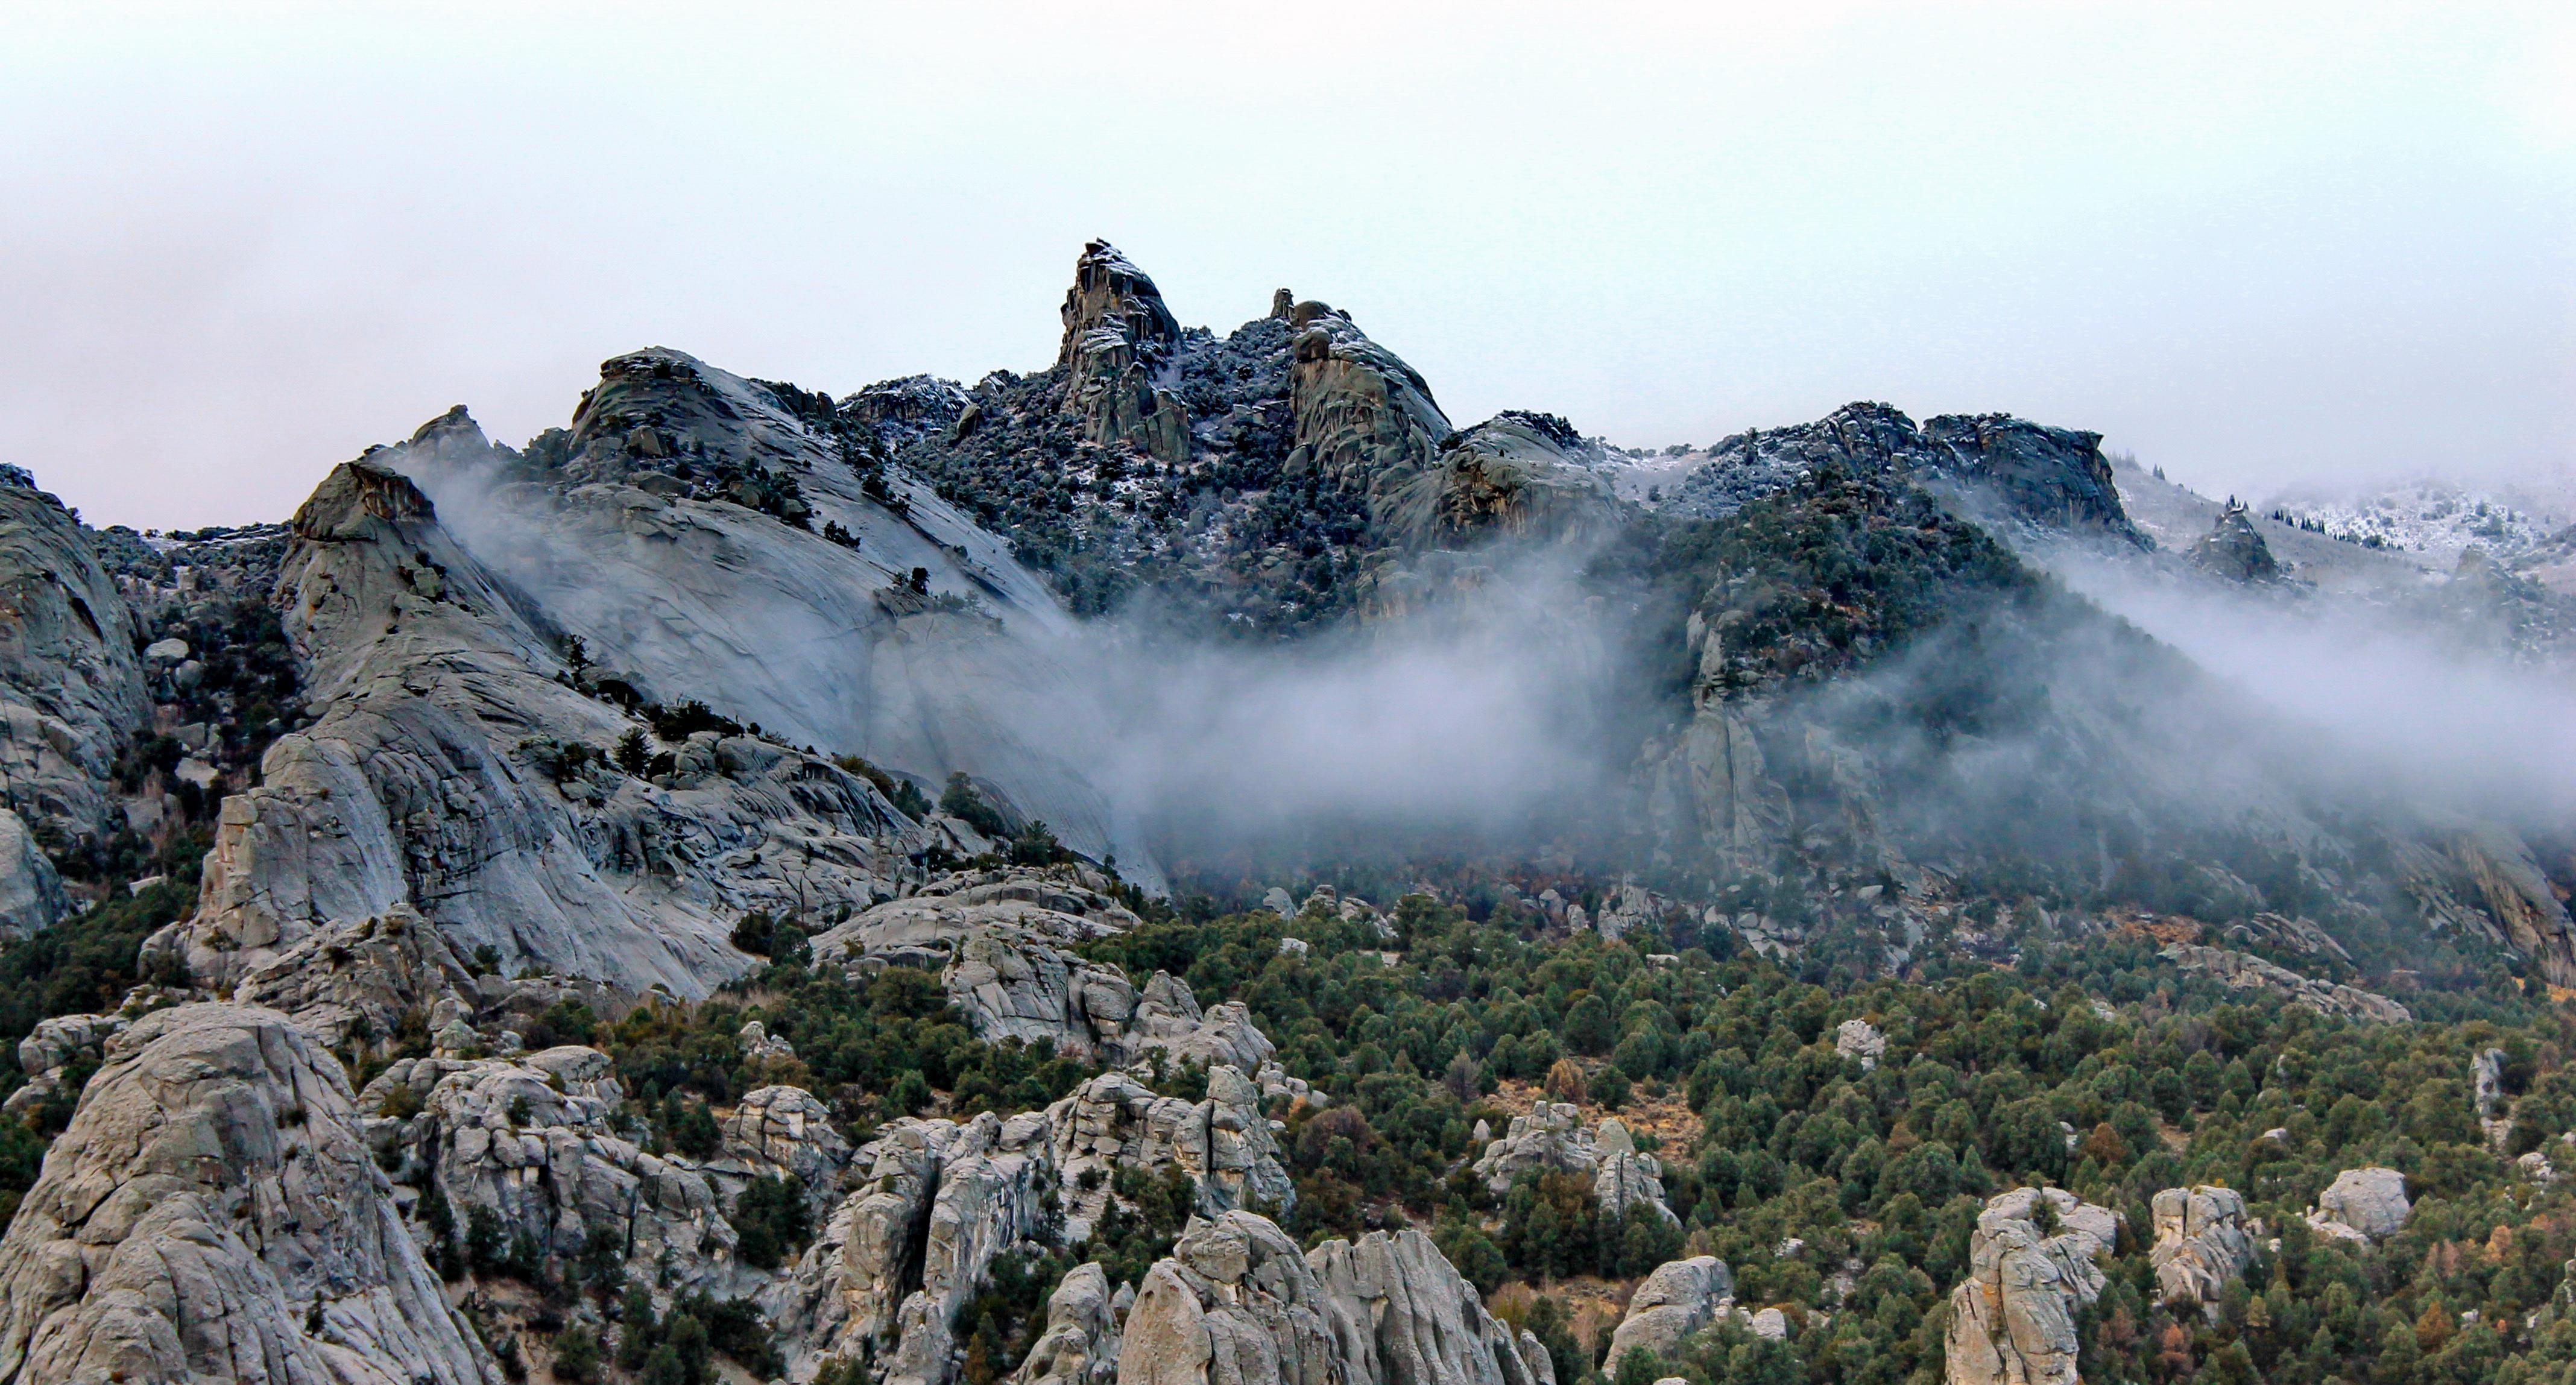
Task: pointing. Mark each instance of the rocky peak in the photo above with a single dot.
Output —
(2234, 549)
(2055, 477)
(1111, 294)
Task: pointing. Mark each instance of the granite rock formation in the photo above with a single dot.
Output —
(1678, 1299)
(2366, 1204)
(2012, 1320)
(2243, 971)
(2234, 549)
(213, 1213)
(2201, 1243)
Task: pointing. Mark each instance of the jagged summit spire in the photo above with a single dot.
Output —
(1110, 293)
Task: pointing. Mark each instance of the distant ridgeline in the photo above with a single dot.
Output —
(684, 891)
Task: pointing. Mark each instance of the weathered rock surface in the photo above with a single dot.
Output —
(1400, 1314)
(532, 1140)
(49, 1052)
(783, 1132)
(1625, 1178)
(2234, 549)
(31, 890)
(71, 685)
(1081, 1340)
(356, 982)
(1678, 1299)
(1364, 419)
(212, 1213)
(420, 783)
(1234, 1305)
(2365, 1204)
(2201, 1243)
(938, 1201)
(1857, 1038)
(1516, 475)
(1552, 1139)
(1002, 942)
(1118, 337)
(2013, 1318)
(2242, 971)
(1223, 1143)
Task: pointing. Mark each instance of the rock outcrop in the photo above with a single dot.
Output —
(1364, 419)
(2201, 1243)
(1081, 1340)
(71, 690)
(2012, 1321)
(2366, 1204)
(355, 983)
(1678, 1299)
(1223, 1143)
(420, 783)
(1002, 942)
(49, 1052)
(1118, 338)
(2243, 971)
(2234, 549)
(1517, 475)
(212, 1213)
(1553, 1139)
(532, 1141)
(1400, 1314)
(1625, 1178)
(1858, 1038)
(783, 1132)
(1234, 1305)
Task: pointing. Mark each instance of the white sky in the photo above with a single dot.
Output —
(2254, 243)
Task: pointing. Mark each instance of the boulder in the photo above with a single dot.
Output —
(1400, 1314)
(49, 1052)
(212, 1213)
(1081, 1340)
(1551, 1138)
(2012, 1320)
(1678, 1299)
(2366, 1204)
(1624, 1177)
(1235, 1304)
(1858, 1038)
(2201, 1243)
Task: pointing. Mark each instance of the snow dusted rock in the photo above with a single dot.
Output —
(47, 1053)
(532, 1140)
(1117, 336)
(1080, 1344)
(1858, 1038)
(1235, 1304)
(1400, 1314)
(2012, 1320)
(71, 688)
(357, 980)
(783, 1132)
(2201, 1243)
(1624, 1177)
(2234, 549)
(2362, 1205)
(1364, 419)
(1678, 1299)
(212, 1214)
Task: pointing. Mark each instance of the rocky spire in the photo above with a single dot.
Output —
(1118, 337)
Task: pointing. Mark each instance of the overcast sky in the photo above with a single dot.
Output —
(2255, 244)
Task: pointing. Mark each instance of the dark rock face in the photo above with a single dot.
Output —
(2055, 477)
(1118, 341)
(2234, 549)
